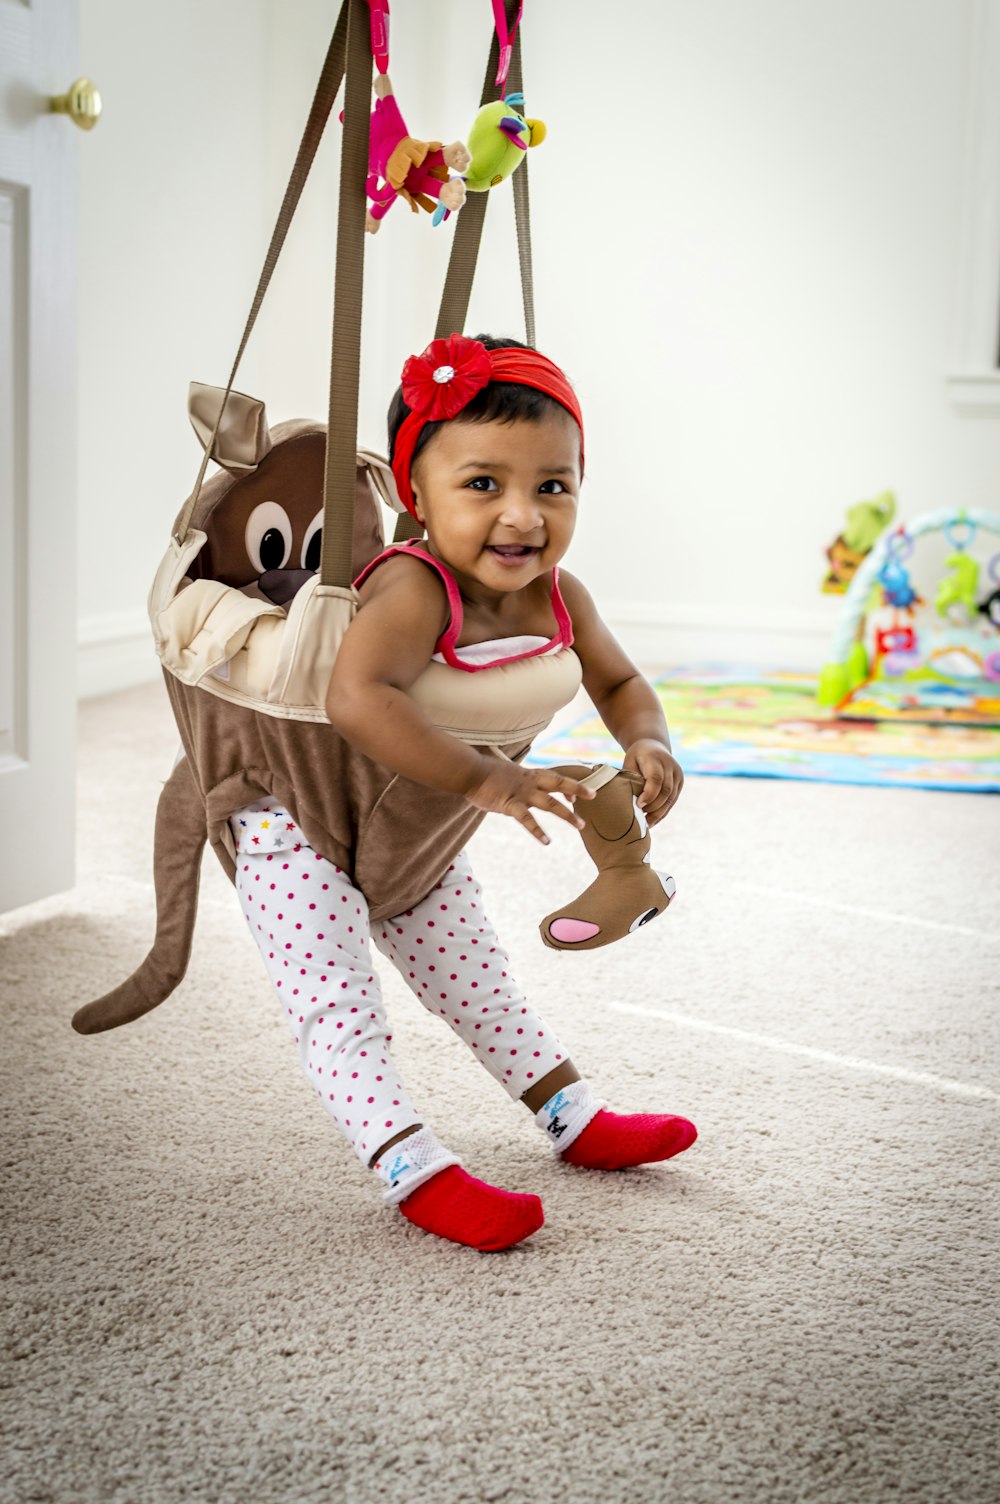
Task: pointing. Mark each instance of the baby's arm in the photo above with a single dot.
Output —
(625, 702)
(391, 640)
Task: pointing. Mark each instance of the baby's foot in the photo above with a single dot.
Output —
(454, 1205)
(611, 1141)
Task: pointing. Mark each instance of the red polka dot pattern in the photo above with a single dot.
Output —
(320, 964)
(467, 980)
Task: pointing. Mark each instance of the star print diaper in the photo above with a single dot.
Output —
(265, 826)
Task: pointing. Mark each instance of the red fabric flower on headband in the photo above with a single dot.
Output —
(441, 381)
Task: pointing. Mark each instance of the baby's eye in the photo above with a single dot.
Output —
(552, 488)
(482, 483)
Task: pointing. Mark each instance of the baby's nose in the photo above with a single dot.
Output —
(522, 512)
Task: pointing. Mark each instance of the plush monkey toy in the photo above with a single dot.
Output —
(400, 166)
(627, 892)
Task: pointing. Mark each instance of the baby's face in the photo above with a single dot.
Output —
(499, 499)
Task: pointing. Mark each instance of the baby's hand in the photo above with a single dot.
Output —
(664, 779)
(508, 789)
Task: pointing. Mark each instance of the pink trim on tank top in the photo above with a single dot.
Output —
(446, 643)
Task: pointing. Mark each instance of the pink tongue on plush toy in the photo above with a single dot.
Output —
(572, 931)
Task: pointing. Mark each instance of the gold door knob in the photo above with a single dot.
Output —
(81, 102)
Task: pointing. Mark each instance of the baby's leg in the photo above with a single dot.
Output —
(448, 952)
(312, 929)
(311, 926)
(451, 957)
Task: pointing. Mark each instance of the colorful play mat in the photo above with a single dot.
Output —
(733, 721)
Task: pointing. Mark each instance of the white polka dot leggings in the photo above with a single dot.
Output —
(312, 927)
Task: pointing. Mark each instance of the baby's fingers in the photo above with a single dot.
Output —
(523, 815)
(570, 788)
(651, 788)
(663, 803)
(656, 811)
(554, 806)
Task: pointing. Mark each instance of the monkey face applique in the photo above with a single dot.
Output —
(262, 512)
(267, 530)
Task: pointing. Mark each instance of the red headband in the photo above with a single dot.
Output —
(442, 381)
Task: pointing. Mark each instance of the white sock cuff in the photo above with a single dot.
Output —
(411, 1162)
(567, 1114)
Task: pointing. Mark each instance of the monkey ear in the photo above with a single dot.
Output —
(243, 438)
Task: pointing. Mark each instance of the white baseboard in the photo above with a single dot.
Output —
(654, 634)
(114, 651)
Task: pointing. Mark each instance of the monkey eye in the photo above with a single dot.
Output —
(268, 537)
(312, 545)
(642, 919)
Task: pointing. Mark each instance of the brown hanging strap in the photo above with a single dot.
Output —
(454, 307)
(469, 229)
(326, 93)
(350, 51)
(345, 359)
(522, 211)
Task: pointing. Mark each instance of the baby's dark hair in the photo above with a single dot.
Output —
(500, 401)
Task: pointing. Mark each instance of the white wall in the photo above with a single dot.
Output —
(746, 225)
(172, 233)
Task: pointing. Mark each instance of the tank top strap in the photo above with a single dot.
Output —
(563, 620)
(563, 637)
(446, 642)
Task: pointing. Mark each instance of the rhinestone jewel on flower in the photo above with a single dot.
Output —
(449, 373)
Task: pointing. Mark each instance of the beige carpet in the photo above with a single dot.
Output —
(206, 1299)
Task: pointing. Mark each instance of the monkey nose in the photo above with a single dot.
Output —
(282, 585)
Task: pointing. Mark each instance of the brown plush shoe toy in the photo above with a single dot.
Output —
(627, 892)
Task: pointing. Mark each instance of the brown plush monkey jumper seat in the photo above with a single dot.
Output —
(253, 598)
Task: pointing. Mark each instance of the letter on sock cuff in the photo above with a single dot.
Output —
(566, 1115)
(411, 1162)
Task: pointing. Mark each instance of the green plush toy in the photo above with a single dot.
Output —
(498, 140)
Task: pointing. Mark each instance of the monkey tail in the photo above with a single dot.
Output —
(178, 844)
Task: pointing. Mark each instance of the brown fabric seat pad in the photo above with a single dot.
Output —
(394, 837)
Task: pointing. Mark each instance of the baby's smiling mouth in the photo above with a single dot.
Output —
(513, 551)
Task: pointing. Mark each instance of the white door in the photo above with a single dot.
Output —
(38, 194)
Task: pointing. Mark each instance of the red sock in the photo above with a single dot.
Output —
(613, 1142)
(455, 1205)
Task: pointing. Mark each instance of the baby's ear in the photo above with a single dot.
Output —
(244, 437)
(538, 132)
